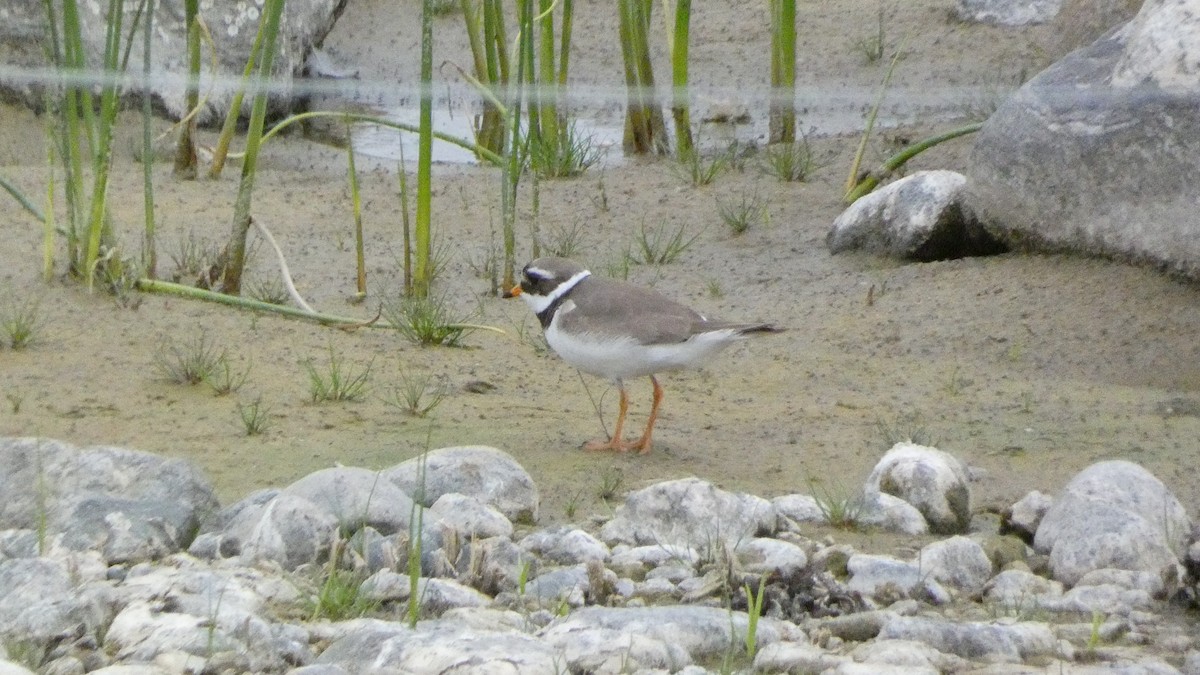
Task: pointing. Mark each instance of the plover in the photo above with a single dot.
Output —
(618, 331)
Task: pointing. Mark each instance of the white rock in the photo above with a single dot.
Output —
(772, 557)
(958, 562)
(935, 482)
(918, 217)
(565, 546)
(1008, 12)
(1113, 514)
(688, 512)
(486, 473)
(470, 517)
(356, 497)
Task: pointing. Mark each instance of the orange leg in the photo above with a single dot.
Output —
(615, 443)
(642, 445)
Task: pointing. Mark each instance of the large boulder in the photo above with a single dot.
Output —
(918, 217)
(232, 23)
(127, 505)
(1113, 514)
(1100, 153)
(488, 474)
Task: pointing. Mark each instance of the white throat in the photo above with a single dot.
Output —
(539, 303)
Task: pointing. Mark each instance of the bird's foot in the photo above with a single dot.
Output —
(641, 446)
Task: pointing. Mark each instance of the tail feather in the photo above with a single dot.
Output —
(760, 328)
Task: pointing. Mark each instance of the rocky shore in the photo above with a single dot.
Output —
(118, 561)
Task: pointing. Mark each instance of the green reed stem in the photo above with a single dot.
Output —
(510, 178)
(546, 90)
(185, 151)
(680, 107)
(871, 180)
(229, 127)
(782, 121)
(235, 252)
(423, 272)
(356, 207)
(644, 127)
(149, 255)
(102, 154)
(856, 164)
(181, 290)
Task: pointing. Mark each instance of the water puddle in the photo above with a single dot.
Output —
(820, 113)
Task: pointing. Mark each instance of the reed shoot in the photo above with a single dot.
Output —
(782, 120)
(234, 256)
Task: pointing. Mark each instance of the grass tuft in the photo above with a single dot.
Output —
(661, 245)
(739, 215)
(270, 291)
(611, 480)
(222, 378)
(337, 383)
(255, 416)
(20, 323)
(427, 321)
(572, 154)
(694, 168)
(904, 430)
(841, 508)
(792, 162)
(874, 46)
(340, 595)
(564, 241)
(190, 362)
(417, 395)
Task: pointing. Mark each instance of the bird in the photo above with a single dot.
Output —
(618, 330)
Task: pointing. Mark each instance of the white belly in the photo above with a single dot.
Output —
(620, 359)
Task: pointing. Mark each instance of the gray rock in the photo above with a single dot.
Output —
(771, 557)
(935, 482)
(490, 475)
(470, 517)
(1104, 598)
(1113, 514)
(436, 595)
(689, 512)
(42, 603)
(633, 559)
(907, 655)
(356, 497)
(603, 650)
(701, 632)
(1008, 12)
(1191, 663)
(205, 612)
(1020, 589)
(792, 510)
(796, 657)
(918, 217)
(233, 23)
(128, 505)
(493, 565)
(553, 587)
(290, 530)
(887, 579)
(957, 562)
(441, 648)
(1009, 643)
(1023, 517)
(565, 546)
(1098, 153)
(889, 513)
